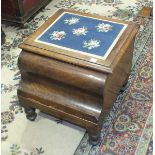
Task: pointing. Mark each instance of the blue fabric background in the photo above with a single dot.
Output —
(76, 42)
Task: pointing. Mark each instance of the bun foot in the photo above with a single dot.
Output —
(30, 114)
(94, 139)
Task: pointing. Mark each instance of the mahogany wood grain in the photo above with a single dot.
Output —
(146, 12)
(77, 58)
(20, 10)
(69, 86)
(53, 69)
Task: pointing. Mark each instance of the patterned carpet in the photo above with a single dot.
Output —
(127, 130)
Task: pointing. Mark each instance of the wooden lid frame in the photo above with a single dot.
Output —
(85, 60)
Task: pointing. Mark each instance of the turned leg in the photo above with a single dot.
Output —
(30, 113)
(94, 136)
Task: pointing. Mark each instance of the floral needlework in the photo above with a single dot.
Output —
(57, 35)
(87, 29)
(90, 44)
(71, 21)
(80, 31)
(104, 27)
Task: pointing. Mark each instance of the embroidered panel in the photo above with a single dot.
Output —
(83, 34)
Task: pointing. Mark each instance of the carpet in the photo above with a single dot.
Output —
(126, 130)
(116, 136)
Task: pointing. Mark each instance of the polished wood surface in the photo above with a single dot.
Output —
(53, 69)
(19, 11)
(70, 87)
(77, 58)
(146, 12)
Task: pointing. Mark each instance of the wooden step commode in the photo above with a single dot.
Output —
(74, 66)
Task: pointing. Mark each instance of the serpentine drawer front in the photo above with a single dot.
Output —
(74, 66)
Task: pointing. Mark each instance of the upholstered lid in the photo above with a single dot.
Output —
(87, 38)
